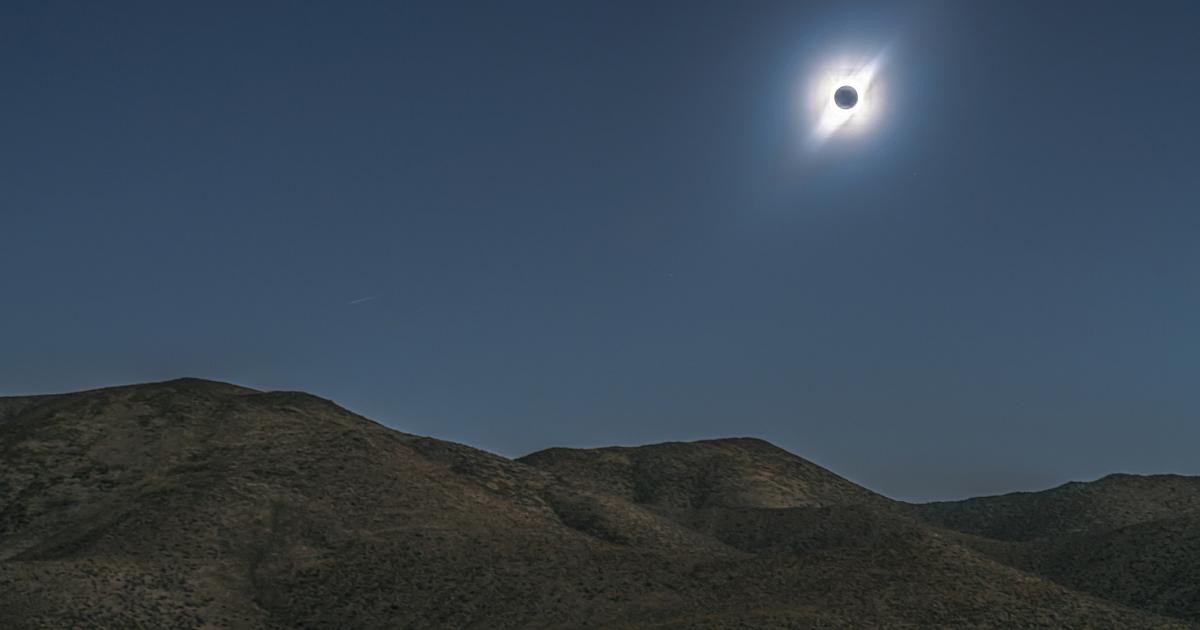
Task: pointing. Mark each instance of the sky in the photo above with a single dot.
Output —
(530, 224)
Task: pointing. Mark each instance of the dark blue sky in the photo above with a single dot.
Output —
(593, 223)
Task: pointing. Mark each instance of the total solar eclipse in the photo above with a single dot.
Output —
(843, 97)
(846, 97)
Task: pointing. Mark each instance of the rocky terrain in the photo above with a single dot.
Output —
(195, 504)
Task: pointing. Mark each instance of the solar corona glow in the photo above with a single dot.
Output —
(842, 98)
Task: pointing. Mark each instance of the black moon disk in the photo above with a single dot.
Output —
(846, 97)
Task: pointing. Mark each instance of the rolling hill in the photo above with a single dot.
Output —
(196, 504)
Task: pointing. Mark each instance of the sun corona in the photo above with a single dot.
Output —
(842, 98)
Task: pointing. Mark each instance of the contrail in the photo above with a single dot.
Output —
(363, 299)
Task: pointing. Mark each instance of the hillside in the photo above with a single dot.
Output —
(194, 504)
(677, 478)
(1073, 508)
(1130, 539)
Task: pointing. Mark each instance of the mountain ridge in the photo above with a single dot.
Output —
(198, 504)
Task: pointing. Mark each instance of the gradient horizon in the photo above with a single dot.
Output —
(581, 224)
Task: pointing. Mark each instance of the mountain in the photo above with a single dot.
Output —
(676, 478)
(1127, 538)
(195, 504)
(1112, 502)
